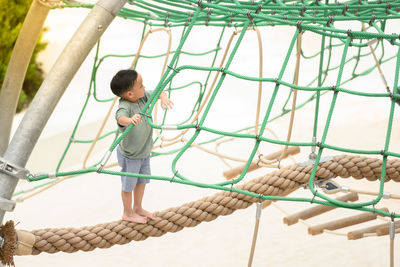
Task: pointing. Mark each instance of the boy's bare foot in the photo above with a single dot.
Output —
(134, 217)
(146, 214)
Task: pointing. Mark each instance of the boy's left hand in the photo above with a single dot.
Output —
(166, 103)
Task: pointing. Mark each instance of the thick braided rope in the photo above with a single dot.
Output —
(208, 208)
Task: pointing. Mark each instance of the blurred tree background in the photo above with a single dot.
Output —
(12, 15)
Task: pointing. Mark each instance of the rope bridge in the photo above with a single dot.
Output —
(308, 17)
(274, 184)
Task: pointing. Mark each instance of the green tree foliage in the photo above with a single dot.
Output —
(12, 15)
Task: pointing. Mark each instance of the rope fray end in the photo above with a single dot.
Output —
(7, 251)
(16, 242)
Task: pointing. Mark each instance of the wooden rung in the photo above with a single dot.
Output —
(385, 230)
(345, 222)
(234, 172)
(357, 234)
(317, 210)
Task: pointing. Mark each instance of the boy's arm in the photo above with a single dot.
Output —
(166, 103)
(125, 121)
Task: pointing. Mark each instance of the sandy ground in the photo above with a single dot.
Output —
(91, 199)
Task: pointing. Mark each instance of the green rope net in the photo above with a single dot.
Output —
(329, 21)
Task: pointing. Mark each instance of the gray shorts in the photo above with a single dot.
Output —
(140, 166)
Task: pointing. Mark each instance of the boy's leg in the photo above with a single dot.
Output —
(126, 201)
(138, 193)
(129, 214)
(126, 192)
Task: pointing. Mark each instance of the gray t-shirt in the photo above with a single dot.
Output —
(139, 141)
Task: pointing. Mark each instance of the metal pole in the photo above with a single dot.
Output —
(17, 67)
(53, 87)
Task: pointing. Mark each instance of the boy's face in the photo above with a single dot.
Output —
(136, 91)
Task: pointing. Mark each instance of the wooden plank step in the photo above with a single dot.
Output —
(344, 222)
(317, 210)
(382, 228)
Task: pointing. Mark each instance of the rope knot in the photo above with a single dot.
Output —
(298, 25)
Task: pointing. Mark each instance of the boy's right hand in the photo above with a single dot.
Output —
(136, 119)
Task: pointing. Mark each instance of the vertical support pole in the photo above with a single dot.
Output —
(53, 87)
(255, 233)
(17, 68)
(391, 234)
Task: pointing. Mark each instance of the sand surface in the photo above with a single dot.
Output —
(91, 199)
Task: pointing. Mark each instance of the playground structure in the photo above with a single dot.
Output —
(315, 17)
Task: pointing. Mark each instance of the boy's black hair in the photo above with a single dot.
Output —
(123, 81)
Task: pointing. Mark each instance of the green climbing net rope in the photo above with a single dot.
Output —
(316, 17)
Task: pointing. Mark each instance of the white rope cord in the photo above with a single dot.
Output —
(378, 66)
(168, 32)
(365, 192)
(254, 131)
(296, 82)
(37, 191)
(226, 140)
(217, 154)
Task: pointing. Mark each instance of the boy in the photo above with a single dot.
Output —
(134, 150)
